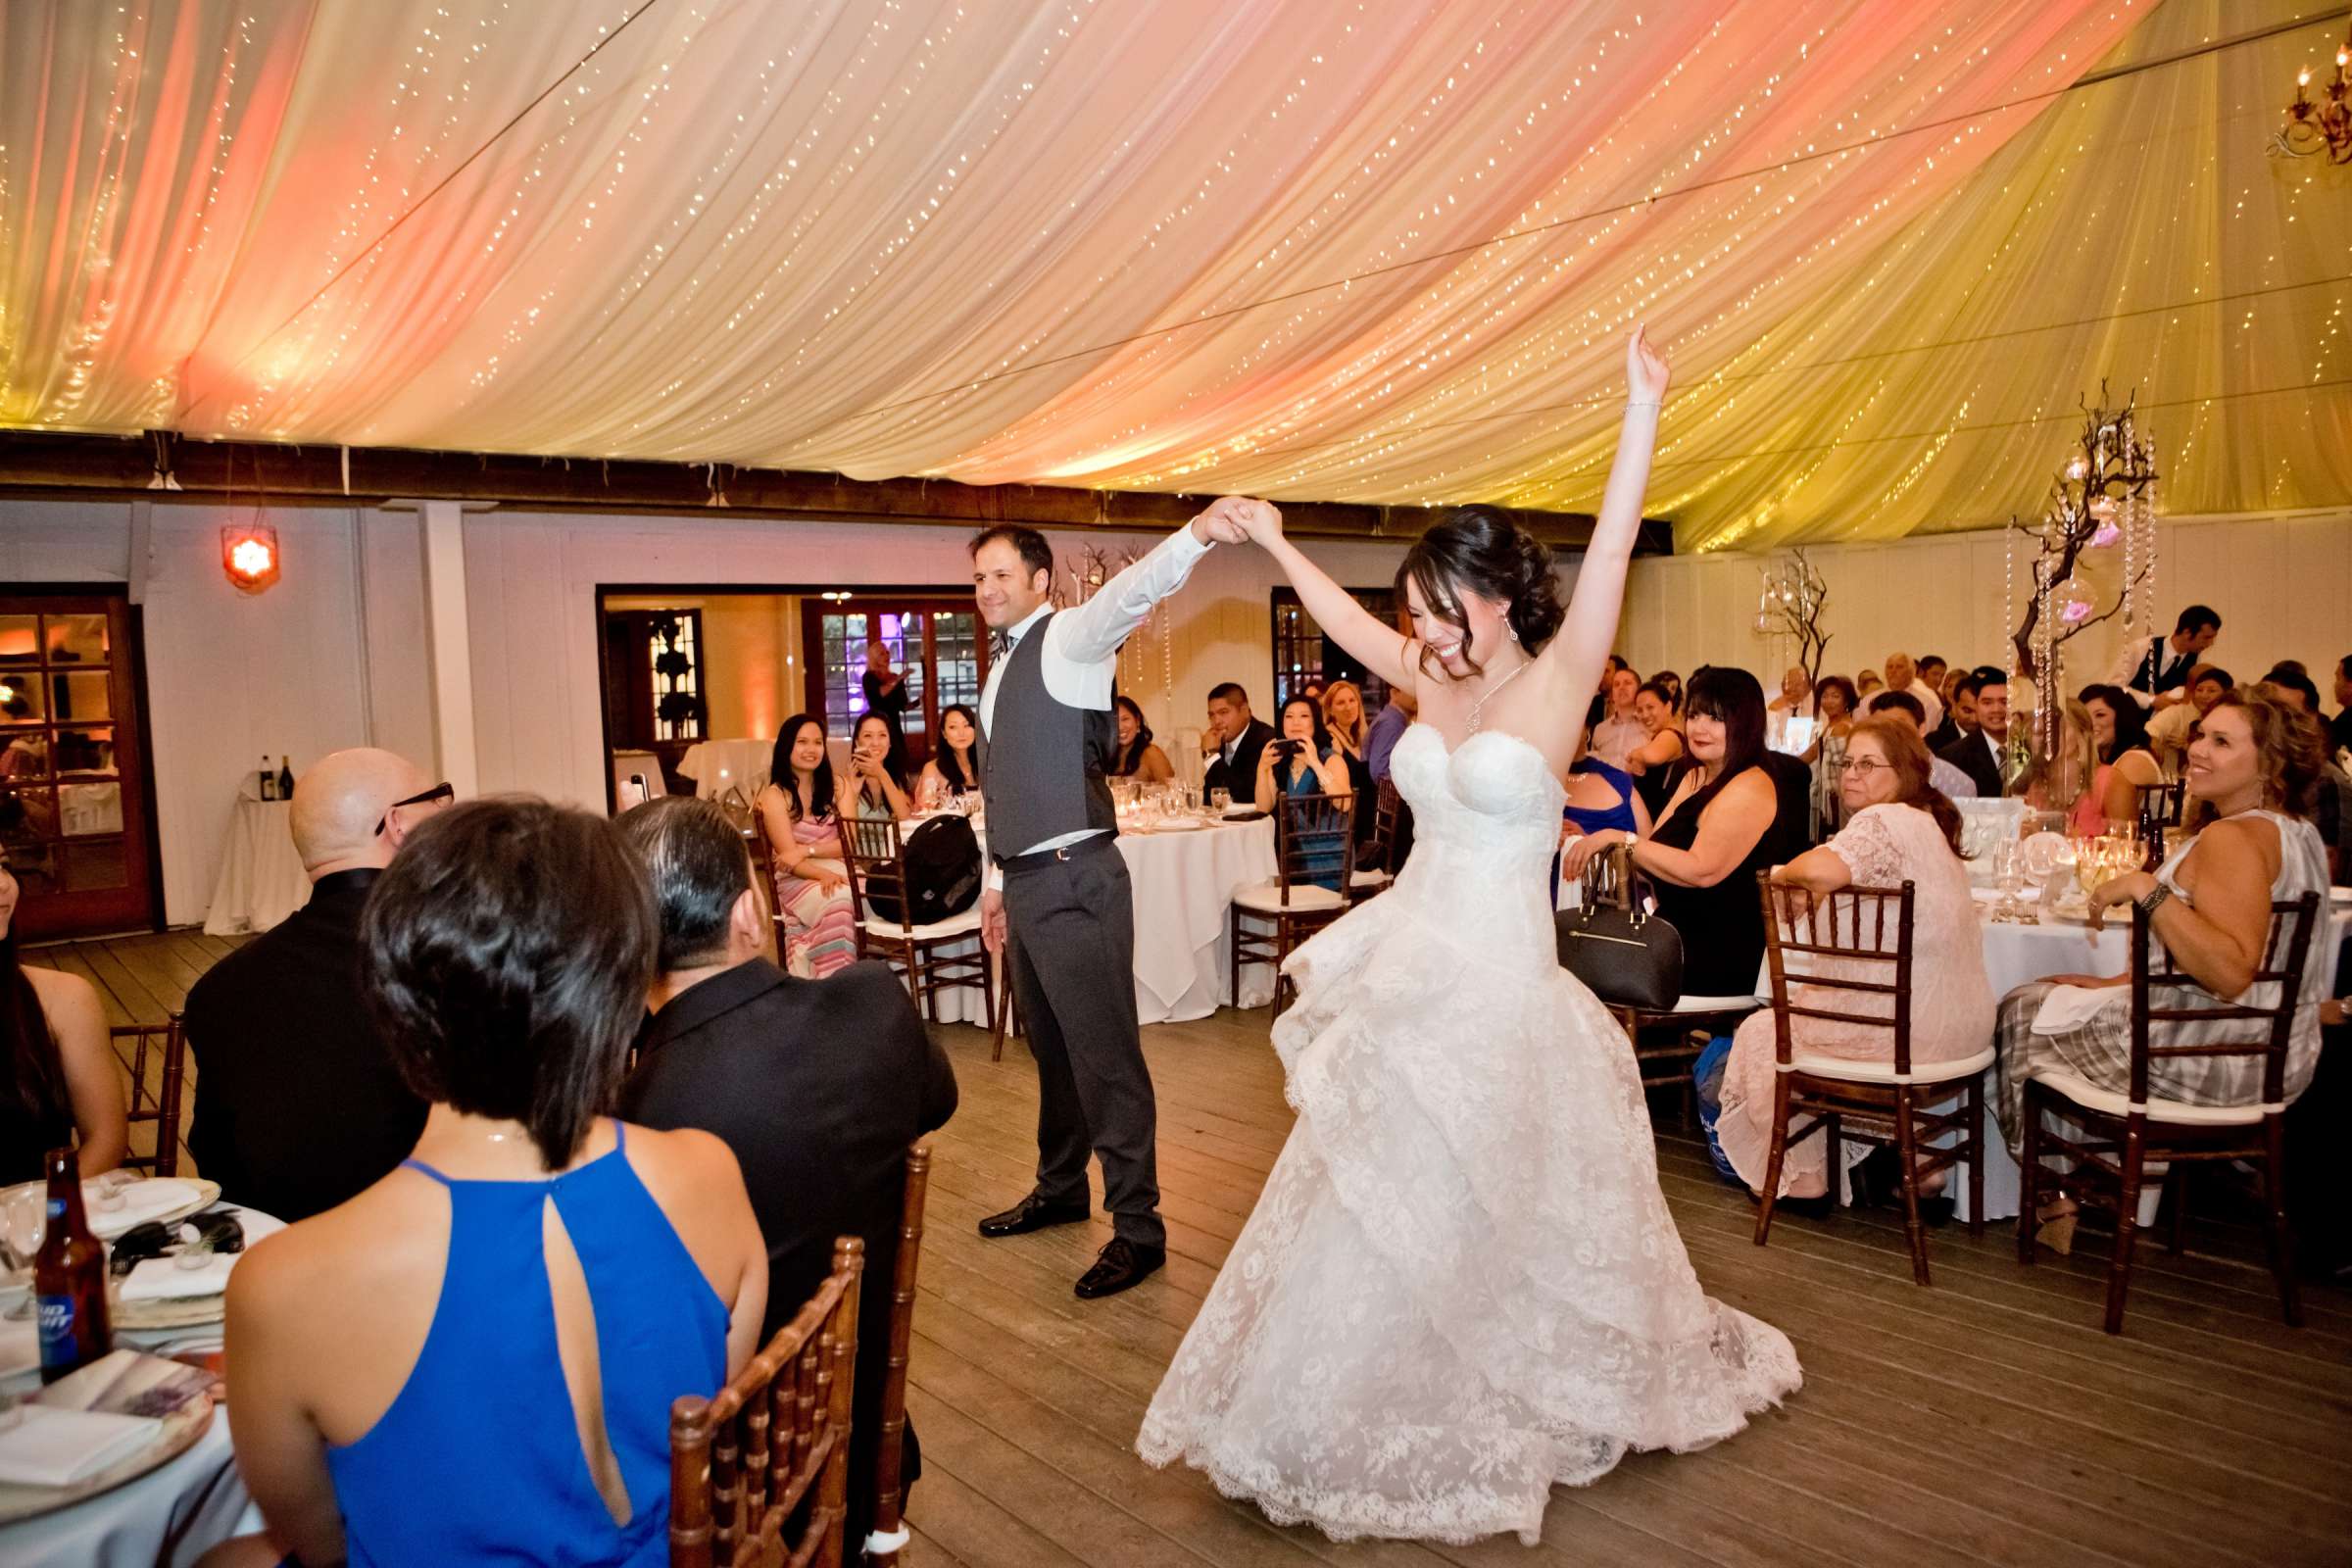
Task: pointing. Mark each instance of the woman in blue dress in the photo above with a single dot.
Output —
(1599, 796)
(1306, 761)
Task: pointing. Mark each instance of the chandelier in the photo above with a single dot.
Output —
(2321, 128)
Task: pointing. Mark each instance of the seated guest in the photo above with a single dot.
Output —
(1621, 729)
(1902, 675)
(877, 787)
(473, 1360)
(1387, 728)
(1834, 703)
(1959, 694)
(1231, 744)
(1672, 685)
(2171, 728)
(1868, 684)
(1721, 828)
(2249, 772)
(1599, 797)
(1795, 698)
(2339, 728)
(1305, 762)
(1903, 707)
(2118, 737)
(298, 1104)
(819, 1087)
(1901, 829)
(1981, 752)
(2059, 781)
(1344, 716)
(1138, 757)
(800, 814)
(955, 770)
(2330, 809)
(1658, 763)
(63, 1087)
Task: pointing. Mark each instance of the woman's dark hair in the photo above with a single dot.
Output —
(1132, 758)
(961, 769)
(1844, 687)
(1667, 681)
(504, 957)
(1735, 698)
(1322, 730)
(893, 756)
(781, 775)
(1914, 784)
(1658, 689)
(36, 1073)
(2131, 724)
(1479, 550)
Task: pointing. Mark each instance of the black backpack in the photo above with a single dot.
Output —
(941, 861)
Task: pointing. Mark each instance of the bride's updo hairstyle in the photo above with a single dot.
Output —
(1479, 550)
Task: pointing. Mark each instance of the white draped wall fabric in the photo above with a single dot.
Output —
(899, 236)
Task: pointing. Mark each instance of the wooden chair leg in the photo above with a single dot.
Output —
(2273, 1203)
(926, 989)
(2126, 1223)
(2177, 1194)
(2029, 1178)
(1833, 1153)
(1233, 945)
(1974, 1110)
(1906, 1154)
(1774, 1158)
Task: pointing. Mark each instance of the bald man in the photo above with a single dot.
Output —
(298, 1107)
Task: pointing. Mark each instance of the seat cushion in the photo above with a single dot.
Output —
(1369, 879)
(1852, 1071)
(1266, 897)
(2090, 1096)
(954, 925)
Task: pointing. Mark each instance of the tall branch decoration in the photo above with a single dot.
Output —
(1791, 605)
(2104, 497)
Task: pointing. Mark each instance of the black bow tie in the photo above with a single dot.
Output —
(1000, 643)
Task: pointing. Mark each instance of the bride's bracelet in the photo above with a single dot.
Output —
(1631, 405)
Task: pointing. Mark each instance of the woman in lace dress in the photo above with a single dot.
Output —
(1902, 830)
(1461, 1284)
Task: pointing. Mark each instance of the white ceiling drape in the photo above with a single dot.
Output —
(1096, 243)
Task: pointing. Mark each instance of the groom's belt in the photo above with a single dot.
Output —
(1037, 859)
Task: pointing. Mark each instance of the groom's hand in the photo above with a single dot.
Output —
(992, 921)
(1221, 523)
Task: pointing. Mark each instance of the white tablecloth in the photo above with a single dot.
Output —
(718, 765)
(1184, 886)
(262, 879)
(172, 1515)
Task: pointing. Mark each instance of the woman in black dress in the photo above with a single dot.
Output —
(61, 1087)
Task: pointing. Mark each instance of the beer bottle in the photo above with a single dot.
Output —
(69, 1276)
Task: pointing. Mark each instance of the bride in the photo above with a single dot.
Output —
(1461, 1284)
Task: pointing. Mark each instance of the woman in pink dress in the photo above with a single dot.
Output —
(800, 814)
(1901, 830)
(2119, 734)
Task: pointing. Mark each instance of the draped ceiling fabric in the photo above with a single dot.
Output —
(897, 237)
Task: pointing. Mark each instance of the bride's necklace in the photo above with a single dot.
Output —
(1478, 704)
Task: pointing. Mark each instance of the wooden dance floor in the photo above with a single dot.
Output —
(1985, 1420)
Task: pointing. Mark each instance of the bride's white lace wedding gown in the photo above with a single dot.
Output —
(1461, 1282)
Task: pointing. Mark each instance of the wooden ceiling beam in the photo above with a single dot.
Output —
(43, 464)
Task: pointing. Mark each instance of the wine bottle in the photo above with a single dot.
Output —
(69, 1276)
(285, 779)
(269, 779)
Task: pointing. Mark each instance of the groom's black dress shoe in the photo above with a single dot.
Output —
(1122, 1263)
(1032, 1213)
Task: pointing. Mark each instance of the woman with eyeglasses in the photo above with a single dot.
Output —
(1900, 828)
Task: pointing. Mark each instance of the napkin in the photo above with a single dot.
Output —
(161, 1279)
(142, 1200)
(43, 1446)
(2071, 1007)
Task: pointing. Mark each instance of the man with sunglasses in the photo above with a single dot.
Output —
(298, 1107)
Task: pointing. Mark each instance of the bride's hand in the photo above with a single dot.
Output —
(1647, 372)
(1261, 519)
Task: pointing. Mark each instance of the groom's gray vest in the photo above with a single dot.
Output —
(1048, 776)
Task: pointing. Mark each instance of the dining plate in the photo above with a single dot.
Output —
(179, 1432)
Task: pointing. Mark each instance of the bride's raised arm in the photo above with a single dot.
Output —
(1377, 646)
(1576, 653)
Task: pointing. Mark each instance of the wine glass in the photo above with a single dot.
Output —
(24, 1221)
(1220, 800)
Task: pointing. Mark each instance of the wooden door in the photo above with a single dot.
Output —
(74, 777)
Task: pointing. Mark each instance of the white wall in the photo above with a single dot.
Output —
(2283, 585)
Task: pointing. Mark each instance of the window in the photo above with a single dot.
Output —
(937, 652)
(674, 653)
(1303, 657)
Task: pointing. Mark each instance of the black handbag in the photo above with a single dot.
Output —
(1625, 954)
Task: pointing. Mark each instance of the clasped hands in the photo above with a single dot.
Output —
(1237, 520)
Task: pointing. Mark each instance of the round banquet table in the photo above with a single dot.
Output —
(1184, 886)
(262, 880)
(715, 766)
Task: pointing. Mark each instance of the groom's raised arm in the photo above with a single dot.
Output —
(1091, 632)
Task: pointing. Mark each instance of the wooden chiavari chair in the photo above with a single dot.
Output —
(160, 1107)
(1314, 845)
(890, 1535)
(1376, 856)
(1895, 1102)
(743, 1463)
(877, 855)
(2121, 1132)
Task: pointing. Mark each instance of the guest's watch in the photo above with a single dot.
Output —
(2148, 903)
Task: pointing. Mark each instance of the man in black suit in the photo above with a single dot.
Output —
(298, 1106)
(1979, 753)
(818, 1086)
(1233, 743)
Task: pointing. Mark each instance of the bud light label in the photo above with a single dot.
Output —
(58, 1347)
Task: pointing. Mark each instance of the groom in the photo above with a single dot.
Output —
(1059, 886)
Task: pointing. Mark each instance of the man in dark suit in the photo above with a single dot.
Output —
(1233, 743)
(298, 1106)
(1979, 753)
(818, 1086)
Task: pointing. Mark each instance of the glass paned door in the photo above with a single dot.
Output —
(72, 791)
(938, 653)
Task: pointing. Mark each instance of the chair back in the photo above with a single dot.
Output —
(161, 1105)
(889, 1484)
(2164, 802)
(1314, 840)
(877, 862)
(2265, 1032)
(1855, 940)
(742, 1463)
(1378, 852)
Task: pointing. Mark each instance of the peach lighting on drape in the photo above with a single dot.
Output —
(1095, 244)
